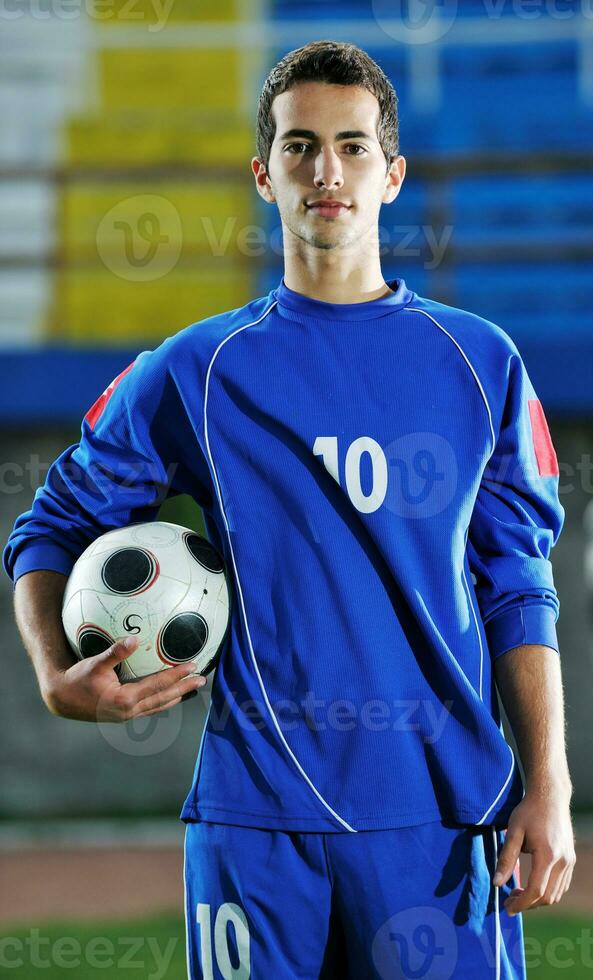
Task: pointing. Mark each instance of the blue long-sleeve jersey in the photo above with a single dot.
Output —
(381, 481)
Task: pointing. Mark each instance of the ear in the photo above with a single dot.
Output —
(394, 179)
(262, 180)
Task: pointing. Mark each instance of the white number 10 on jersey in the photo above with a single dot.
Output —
(327, 448)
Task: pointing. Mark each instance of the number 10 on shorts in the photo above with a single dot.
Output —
(227, 912)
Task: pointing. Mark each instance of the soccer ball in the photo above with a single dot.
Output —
(158, 581)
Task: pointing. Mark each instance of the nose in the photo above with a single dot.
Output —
(328, 170)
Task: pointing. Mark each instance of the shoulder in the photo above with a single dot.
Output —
(481, 336)
(490, 352)
(180, 360)
(196, 344)
(204, 336)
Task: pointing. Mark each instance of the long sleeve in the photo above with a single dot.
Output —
(517, 519)
(138, 446)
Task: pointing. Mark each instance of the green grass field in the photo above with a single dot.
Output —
(154, 949)
(558, 945)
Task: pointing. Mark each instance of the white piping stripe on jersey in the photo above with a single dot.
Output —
(256, 668)
(414, 309)
(496, 912)
(500, 726)
(475, 619)
(186, 908)
(503, 787)
(473, 612)
(201, 748)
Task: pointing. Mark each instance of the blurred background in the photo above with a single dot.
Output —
(128, 210)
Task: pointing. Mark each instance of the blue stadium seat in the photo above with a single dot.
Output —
(533, 230)
(320, 9)
(529, 299)
(529, 208)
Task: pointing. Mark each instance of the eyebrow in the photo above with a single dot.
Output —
(346, 134)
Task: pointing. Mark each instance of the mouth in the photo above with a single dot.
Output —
(327, 209)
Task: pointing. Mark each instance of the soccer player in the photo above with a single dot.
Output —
(377, 470)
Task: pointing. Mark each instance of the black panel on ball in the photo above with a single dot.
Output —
(90, 643)
(204, 553)
(184, 637)
(127, 570)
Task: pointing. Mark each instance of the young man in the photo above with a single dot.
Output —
(378, 472)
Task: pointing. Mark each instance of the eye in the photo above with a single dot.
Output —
(300, 147)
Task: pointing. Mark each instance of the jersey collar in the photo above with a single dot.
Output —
(319, 310)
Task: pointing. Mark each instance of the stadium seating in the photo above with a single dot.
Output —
(157, 108)
(497, 128)
(95, 308)
(497, 154)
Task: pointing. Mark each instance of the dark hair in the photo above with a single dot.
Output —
(336, 63)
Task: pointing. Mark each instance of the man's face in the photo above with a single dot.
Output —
(326, 147)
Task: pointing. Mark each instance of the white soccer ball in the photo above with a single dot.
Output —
(163, 583)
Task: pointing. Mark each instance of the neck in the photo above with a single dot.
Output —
(335, 277)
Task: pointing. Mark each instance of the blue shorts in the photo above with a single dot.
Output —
(413, 902)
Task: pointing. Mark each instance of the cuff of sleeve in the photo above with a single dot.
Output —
(42, 555)
(530, 623)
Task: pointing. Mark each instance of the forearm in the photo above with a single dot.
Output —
(529, 680)
(38, 611)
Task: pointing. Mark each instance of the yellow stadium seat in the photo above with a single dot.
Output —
(169, 78)
(151, 138)
(95, 308)
(99, 221)
(142, 255)
(144, 12)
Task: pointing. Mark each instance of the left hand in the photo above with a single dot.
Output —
(539, 825)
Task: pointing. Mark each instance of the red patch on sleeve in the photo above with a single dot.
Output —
(96, 409)
(547, 462)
